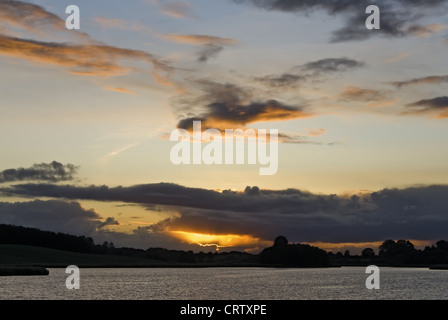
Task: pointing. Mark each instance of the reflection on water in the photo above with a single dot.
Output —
(229, 283)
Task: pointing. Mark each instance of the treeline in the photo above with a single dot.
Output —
(396, 253)
(10, 234)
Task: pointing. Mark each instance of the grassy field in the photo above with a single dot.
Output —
(38, 256)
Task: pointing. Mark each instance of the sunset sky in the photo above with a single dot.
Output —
(362, 118)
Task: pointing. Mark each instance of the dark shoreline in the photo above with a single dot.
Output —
(23, 271)
(176, 265)
(41, 269)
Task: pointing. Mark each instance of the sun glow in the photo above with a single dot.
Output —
(220, 240)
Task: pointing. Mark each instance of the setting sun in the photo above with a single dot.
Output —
(219, 240)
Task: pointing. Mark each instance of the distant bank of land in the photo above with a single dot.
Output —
(14, 270)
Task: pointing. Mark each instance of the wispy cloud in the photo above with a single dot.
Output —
(361, 94)
(312, 70)
(210, 45)
(91, 60)
(420, 81)
(425, 31)
(179, 9)
(110, 23)
(121, 90)
(316, 132)
(105, 159)
(397, 57)
(197, 39)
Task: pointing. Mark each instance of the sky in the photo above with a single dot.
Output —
(361, 117)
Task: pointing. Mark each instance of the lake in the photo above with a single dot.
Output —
(228, 284)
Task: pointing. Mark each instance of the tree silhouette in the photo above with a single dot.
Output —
(386, 247)
(280, 242)
(368, 253)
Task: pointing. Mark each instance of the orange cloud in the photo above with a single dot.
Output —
(360, 94)
(424, 31)
(121, 90)
(316, 132)
(93, 60)
(120, 24)
(177, 9)
(199, 39)
(399, 57)
(224, 116)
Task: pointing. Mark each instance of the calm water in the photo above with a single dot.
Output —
(230, 283)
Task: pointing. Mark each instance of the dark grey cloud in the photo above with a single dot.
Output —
(71, 218)
(51, 172)
(438, 105)
(314, 70)
(436, 79)
(228, 104)
(330, 6)
(397, 17)
(52, 215)
(393, 24)
(410, 213)
(110, 221)
(284, 80)
(241, 114)
(330, 65)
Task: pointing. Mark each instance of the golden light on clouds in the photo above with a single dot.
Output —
(197, 39)
(219, 240)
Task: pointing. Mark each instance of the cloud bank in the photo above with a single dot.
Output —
(410, 213)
